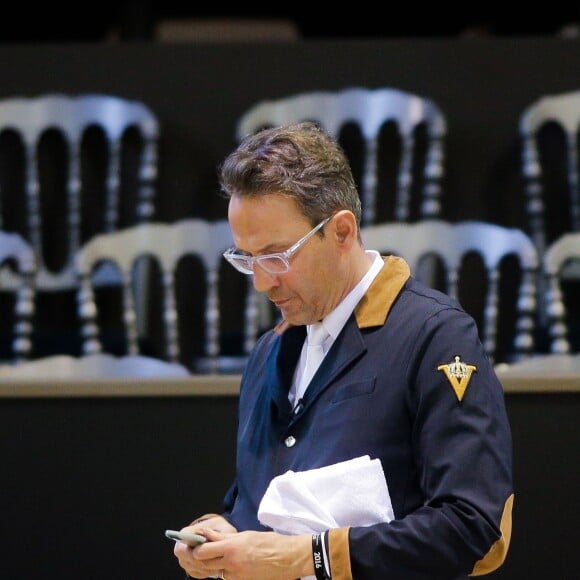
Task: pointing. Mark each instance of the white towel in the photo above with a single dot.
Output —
(350, 493)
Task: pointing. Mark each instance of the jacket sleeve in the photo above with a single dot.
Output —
(462, 450)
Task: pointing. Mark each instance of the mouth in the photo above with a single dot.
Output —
(279, 303)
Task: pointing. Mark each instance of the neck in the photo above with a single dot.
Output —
(357, 266)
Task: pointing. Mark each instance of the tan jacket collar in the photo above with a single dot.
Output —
(375, 305)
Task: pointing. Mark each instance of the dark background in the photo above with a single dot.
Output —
(89, 485)
(134, 20)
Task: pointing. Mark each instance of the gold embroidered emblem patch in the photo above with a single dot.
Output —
(458, 374)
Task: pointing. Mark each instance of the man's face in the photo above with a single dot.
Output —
(273, 223)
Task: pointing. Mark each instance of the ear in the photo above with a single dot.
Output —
(345, 228)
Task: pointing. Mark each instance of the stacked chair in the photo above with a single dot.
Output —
(168, 246)
(71, 167)
(105, 171)
(89, 164)
(375, 126)
(549, 129)
(499, 251)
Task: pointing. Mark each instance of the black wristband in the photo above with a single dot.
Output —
(318, 558)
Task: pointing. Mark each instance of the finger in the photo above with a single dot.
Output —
(213, 535)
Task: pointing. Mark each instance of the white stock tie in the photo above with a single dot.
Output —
(316, 335)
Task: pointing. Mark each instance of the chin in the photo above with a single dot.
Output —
(292, 320)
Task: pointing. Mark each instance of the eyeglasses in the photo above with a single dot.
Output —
(277, 263)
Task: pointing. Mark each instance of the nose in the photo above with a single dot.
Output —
(264, 281)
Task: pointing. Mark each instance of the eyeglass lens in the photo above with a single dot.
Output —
(246, 264)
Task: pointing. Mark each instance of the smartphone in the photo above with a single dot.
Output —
(188, 538)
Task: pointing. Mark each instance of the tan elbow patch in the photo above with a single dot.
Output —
(498, 552)
(339, 554)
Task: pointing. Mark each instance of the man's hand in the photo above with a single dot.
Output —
(248, 555)
(185, 554)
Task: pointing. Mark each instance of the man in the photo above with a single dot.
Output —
(404, 381)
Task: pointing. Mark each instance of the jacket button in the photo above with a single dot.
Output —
(290, 441)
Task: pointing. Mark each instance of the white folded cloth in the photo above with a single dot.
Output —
(349, 493)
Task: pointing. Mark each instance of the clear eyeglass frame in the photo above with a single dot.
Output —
(277, 263)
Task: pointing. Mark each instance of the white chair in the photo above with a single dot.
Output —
(420, 127)
(167, 245)
(78, 165)
(549, 130)
(452, 244)
(560, 267)
(13, 248)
